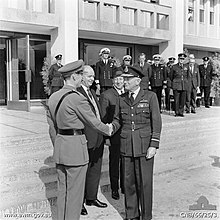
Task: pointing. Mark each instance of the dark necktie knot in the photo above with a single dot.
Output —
(132, 98)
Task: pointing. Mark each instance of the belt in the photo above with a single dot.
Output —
(70, 131)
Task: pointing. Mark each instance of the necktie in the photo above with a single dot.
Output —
(132, 98)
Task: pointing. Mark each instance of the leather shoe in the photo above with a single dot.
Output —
(181, 115)
(187, 112)
(207, 106)
(96, 203)
(194, 112)
(83, 210)
(115, 194)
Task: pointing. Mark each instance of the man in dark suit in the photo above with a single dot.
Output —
(108, 102)
(55, 77)
(206, 74)
(145, 69)
(179, 81)
(95, 143)
(193, 84)
(70, 110)
(158, 77)
(104, 70)
(138, 115)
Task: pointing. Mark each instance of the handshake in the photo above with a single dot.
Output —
(111, 130)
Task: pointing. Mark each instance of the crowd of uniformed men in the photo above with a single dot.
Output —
(126, 115)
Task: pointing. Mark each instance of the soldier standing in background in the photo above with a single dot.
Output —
(158, 77)
(167, 89)
(55, 78)
(206, 74)
(145, 69)
(104, 71)
(179, 81)
(126, 62)
(193, 84)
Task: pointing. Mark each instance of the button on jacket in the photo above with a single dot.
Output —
(179, 77)
(141, 123)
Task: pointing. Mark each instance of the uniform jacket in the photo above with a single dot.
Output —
(93, 137)
(179, 77)
(158, 75)
(206, 75)
(194, 77)
(140, 123)
(168, 73)
(55, 77)
(147, 71)
(104, 73)
(74, 112)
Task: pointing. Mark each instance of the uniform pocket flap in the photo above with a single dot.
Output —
(124, 111)
(140, 110)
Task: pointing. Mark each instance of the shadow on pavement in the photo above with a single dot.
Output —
(216, 161)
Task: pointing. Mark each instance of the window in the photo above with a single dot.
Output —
(147, 19)
(191, 11)
(202, 11)
(212, 14)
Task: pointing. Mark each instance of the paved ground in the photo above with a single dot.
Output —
(187, 167)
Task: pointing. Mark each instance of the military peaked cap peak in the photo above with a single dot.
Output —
(205, 58)
(182, 55)
(104, 50)
(156, 56)
(171, 58)
(127, 57)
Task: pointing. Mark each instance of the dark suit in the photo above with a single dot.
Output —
(167, 89)
(147, 72)
(179, 82)
(157, 79)
(70, 151)
(95, 149)
(140, 129)
(104, 73)
(193, 83)
(206, 75)
(55, 78)
(108, 101)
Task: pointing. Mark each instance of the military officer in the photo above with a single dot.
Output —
(126, 62)
(179, 82)
(69, 111)
(193, 84)
(108, 103)
(206, 74)
(138, 115)
(145, 67)
(158, 77)
(171, 61)
(104, 70)
(55, 77)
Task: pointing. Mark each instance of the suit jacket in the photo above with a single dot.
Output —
(158, 75)
(179, 77)
(74, 112)
(168, 73)
(55, 77)
(109, 101)
(104, 73)
(140, 121)
(206, 74)
(147, 71)
(194, 77)
(93, 137)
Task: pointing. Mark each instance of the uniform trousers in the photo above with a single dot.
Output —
(158, 91)
(180, 100)
(206, 90)
(138, 186)
(93, 173)
(167, 98)
(191, 98)
(71, 185)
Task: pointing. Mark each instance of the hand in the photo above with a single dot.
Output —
(98, 86)
(151, 151)
(110, 129)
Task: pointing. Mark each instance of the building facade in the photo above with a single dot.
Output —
(31, 30)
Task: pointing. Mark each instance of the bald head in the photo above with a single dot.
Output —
(88, 76)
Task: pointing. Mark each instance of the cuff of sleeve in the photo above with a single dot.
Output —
(154, 144)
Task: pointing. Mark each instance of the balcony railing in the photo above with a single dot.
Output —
(136, 12)
(44, 6)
